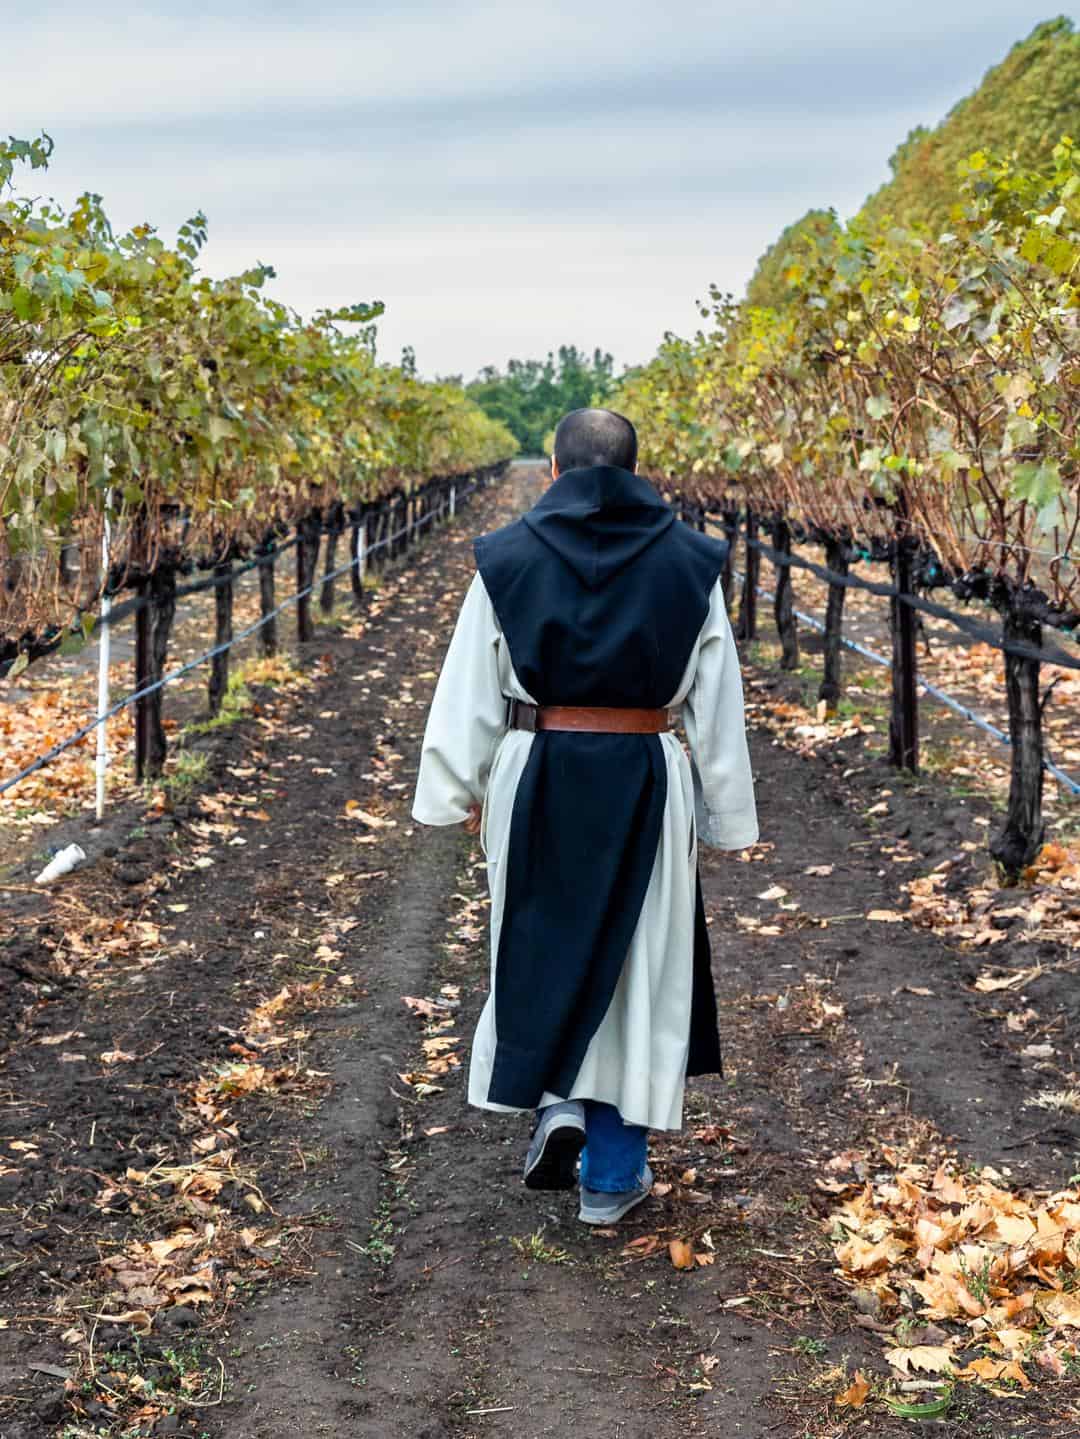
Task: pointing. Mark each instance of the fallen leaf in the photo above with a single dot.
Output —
(139, 1319)
(641, 1247)
(885, 916)
(855, 1395)
(989, 983)
(353, 811)
(988, 1369)
(930, 1358)
(426, 1007)
(1060, 1308)
(681, 1253)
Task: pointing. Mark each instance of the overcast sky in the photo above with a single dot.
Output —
(505, 177)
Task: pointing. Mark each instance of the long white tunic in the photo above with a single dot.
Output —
(636, 1060)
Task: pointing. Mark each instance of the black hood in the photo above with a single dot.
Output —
(599, 519)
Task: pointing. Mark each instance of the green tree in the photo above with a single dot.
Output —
(532, 395)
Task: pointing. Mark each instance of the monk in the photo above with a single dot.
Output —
(591, 621)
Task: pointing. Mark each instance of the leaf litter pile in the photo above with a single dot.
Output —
(963, 1278)
(215, 1232)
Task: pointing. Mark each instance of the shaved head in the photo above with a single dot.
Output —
(595, 437)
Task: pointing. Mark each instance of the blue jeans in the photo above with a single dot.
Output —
(613, 1159)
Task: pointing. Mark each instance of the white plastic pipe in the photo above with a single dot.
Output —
(361, 551)
(102, 761)
(453, 500)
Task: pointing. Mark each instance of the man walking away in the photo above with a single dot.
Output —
(589, 620)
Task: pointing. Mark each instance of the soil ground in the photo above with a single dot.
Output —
(371, 1264)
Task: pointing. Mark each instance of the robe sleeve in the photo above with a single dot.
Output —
(715, 724)
(467, 717)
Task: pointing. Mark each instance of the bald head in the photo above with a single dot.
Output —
(594, 437)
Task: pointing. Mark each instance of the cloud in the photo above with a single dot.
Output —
(505, 178)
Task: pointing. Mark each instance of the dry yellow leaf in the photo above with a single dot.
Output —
(930, 1358)
(859, 1256)
(1060, 1308)
(948, 1188)
(1014, 1229)
(989, 1369)
(160, 1249)
(855, 1395)
(885, 916)
(681, 1253)
(139, 1319)
(988, 983)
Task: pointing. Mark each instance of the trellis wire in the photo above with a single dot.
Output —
(80, 734)
(970, 626)
(932, 690)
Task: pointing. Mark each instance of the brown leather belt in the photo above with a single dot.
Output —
(587, 719)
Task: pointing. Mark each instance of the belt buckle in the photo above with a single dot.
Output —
(520, 715)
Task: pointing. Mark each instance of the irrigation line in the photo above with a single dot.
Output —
(932, 690)
(80, 734)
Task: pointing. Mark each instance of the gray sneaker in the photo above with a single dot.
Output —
(557, 1141)
(598, 1208)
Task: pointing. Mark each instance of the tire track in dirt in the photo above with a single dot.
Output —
(296, 1368)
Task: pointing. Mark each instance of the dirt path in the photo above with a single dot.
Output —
(396, 1279)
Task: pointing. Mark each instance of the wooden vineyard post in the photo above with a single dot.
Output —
(836, 559)
(335, 527)
(307, 557)
(268, 629)
(1020, 838)
(143, 671)
(223, 633)
(730, 522)
(382, 529)
(163, 612)
(153, 624)
(904, 717)
(783, 605)
(748, 604)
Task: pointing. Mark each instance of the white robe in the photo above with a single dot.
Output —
(636, 1060)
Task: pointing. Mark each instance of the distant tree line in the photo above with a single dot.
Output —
(531, 396)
